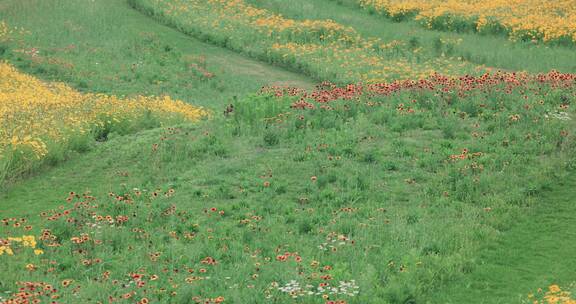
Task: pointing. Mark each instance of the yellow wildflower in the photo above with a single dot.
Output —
(35, 115)
(6, 249)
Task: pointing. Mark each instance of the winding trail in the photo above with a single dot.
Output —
(106, 46)
(538, 251)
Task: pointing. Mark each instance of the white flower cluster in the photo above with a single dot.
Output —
(559, 115)
(334, 241)
(331, 245)
(295, 290)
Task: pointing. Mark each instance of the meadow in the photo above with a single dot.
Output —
(520, 20)
(261, 151)
(41, 122)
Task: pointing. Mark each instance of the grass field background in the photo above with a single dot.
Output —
(396, 193)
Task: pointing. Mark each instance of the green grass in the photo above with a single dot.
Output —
(491, 51)
(425, 229)
(536, 252)
(389, 199)
(322, 49)
(106, 46)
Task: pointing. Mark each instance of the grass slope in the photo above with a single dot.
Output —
(537, 251)
(373, 176)
(106, 46)
(100, 170)
(378, 176)
(491, 51)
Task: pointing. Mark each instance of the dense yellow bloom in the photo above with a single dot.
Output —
(6, 249)
(554, 288)
(23, 241)
(36, 115)
(554, 295)
(29, 241)
(534, 19)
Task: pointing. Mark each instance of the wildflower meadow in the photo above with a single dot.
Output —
(266, 151)
(526, 20)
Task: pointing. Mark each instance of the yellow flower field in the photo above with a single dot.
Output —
(528, 19)
(35, 115)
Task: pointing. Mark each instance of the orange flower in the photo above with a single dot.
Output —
(127, 295)
(219, 299)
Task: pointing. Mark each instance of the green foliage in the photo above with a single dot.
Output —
(364, 193)
(108, 47)
(269, 179)
(485, 49)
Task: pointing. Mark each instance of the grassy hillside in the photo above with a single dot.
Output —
(43, 122)
(105, 46)
(439, 190)
(528, 256)
(348, 175)
(324, 49)
(535, 21)
(491, 51)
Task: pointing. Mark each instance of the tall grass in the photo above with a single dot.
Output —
(496, 52)
(324, 49)
(385, 192)
(108, 47)
(390, 188)
(43, 122)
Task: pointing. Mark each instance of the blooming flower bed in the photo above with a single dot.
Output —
(40, 120)
(536, 20)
